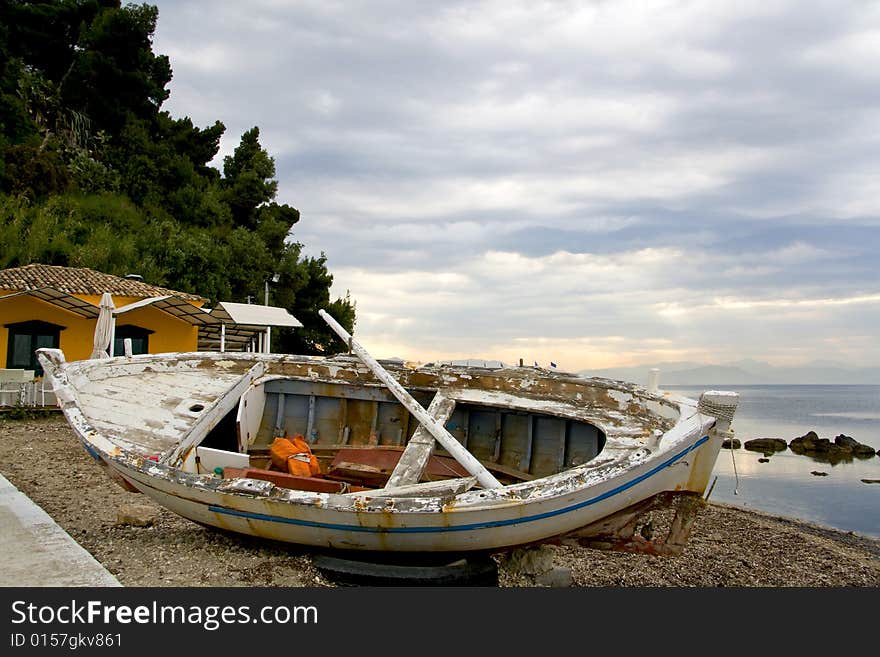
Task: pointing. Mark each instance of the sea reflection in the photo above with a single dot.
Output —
(789, 463)
(834, 494)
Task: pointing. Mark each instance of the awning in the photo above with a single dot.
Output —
(243, 324)
(252, 315)
(61, 299)
(175, 306)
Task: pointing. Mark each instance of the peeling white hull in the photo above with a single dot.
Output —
(634, 465)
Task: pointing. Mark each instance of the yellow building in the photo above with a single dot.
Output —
(49, 306)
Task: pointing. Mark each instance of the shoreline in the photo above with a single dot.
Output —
(729, 546)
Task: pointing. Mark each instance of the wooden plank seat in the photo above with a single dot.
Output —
(285, 480)
(372, 466)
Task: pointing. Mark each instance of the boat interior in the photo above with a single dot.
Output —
(362, 437)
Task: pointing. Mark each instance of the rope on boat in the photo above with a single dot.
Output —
(735, 473)
(722, 406)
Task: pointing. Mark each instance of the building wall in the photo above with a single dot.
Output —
(77, 339)
(170, 333)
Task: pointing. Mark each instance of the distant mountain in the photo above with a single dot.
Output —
(744, 372)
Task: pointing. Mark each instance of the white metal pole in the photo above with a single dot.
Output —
(654, 379)
(455, 448)
(268, 339)
(222, 337)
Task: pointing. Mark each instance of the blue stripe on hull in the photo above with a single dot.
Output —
(462, 528)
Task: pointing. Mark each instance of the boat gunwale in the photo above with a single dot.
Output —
(556, 407)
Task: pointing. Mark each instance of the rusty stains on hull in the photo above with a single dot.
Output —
(598, 454)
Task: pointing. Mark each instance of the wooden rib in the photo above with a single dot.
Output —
(310, 427)
(560, 458)
(496, 450)
(526, 461)
(404, 427)
(467, 427)
(279, 415)
(374, 435)
(343, 419)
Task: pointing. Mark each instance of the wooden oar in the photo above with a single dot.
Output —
(455, 448)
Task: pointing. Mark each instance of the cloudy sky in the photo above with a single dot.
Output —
(597, 184)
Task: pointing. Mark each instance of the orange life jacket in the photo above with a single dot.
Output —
(293, 455)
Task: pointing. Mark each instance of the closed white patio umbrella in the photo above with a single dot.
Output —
(104, 327)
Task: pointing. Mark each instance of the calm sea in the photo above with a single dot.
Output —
(785, 484)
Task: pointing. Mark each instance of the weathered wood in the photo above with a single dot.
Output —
(496, 452)
(466, 424)
(373, 466)
(210, 417)
(404, 428)
(343, 420)
(365, 392)
(560, 460)
(330, 451)
(374, 435)
(411, 466)
(471, 464)
(617, 531)
(249, 415)
(310, 426)
(510, 472)
(279, 415)
(285, 480)
(526, 461)
(528, 512)
(423, 489)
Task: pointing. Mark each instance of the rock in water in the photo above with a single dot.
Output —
(804, 443)
(766, 445)
(858, 449)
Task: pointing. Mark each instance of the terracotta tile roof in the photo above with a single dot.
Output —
(79, 280)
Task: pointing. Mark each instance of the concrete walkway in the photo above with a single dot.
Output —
(37, 552)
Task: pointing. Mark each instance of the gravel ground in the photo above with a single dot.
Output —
(729, 547)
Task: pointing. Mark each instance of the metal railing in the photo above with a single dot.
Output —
(26, 394)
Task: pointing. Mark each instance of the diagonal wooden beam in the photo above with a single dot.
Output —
(455, 448)
(412, 463)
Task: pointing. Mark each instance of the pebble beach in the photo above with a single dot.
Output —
(729, 546)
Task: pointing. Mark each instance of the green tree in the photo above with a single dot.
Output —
(115, 74)
(93, 173)
(304, 289)
(249, 179)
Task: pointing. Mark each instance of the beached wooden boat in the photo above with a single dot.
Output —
(411, 457)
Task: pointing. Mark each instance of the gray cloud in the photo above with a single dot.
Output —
(604, 182)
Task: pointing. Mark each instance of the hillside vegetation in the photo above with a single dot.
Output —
(95, 174)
